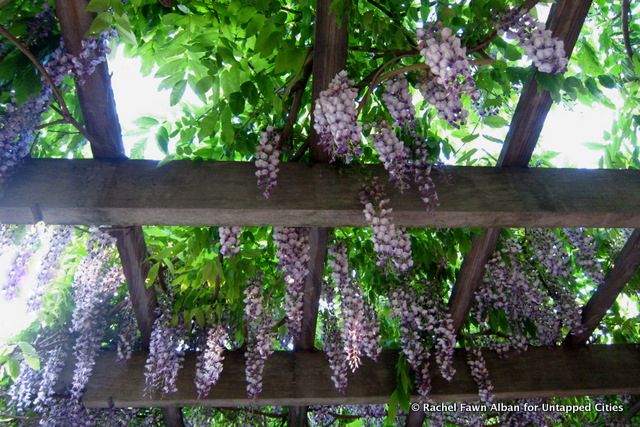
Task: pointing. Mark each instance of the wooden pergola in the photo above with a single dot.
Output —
(111, 190)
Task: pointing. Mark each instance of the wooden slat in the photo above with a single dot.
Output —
(626, 265)
(470, 275)
(303, 378)
(136, 192)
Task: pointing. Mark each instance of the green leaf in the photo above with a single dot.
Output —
(469, 138)
(236, 102)
(98, 6)
(290, 60)
(607, 81)
(13, 367)
(152, 275)
(101, 23)
(496, 121)
(146, 121)
(162, 138)
(177, 92)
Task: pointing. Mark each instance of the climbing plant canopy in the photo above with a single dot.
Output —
(425, 85)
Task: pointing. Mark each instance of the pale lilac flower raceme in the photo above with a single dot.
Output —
(393, 154)
(292, 250)
(229, 240)
(336, 121)
(392, 244)
(209, 365)
(397, 99)
(268, 160)
(260, 335)
(546, 52)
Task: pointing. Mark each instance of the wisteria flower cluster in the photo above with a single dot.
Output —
(585, 253)
(166, 355)
(209, 365)
(260, 335)
(229, 240)
(27, 248)
(359, 327)
(392, 244)
(59, 237)
(546, 52)
(128, 333)
(397, 99)
(424, 325)
(479, 373)
(556, 264)
(336, 119)
(292, 250)
(509, 286)
(267, 160)
(393, 154)
(19, 122)
(452, 75)
(334, 350)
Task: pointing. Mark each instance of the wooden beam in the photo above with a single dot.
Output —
(98, 107)
(565, 21)
(95, 95)
(137, 192)
(470, 275)
(626, 265)
(538, 372)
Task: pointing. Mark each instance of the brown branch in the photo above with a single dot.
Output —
(63, 110)
(407, 68)
(394, 19)
(486, 41)
(285, 135)
(301, 150)
(626, 15)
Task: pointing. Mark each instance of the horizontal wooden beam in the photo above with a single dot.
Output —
(304, 378)
(138, 192)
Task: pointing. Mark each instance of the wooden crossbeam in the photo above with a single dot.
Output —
(626, 265)
(304, 378)
(100, 116)
(136, 192)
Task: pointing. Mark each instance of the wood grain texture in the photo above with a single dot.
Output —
(303, 378)
(133, 255)
(470, 275)
(625, 266)
(137, 192)
(95, 94)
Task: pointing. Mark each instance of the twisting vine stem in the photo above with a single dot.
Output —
(64, 109)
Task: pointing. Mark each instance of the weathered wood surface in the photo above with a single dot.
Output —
(136, 192)
(625, 266)
(303, 378)
(95, 94)
(470, 275)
